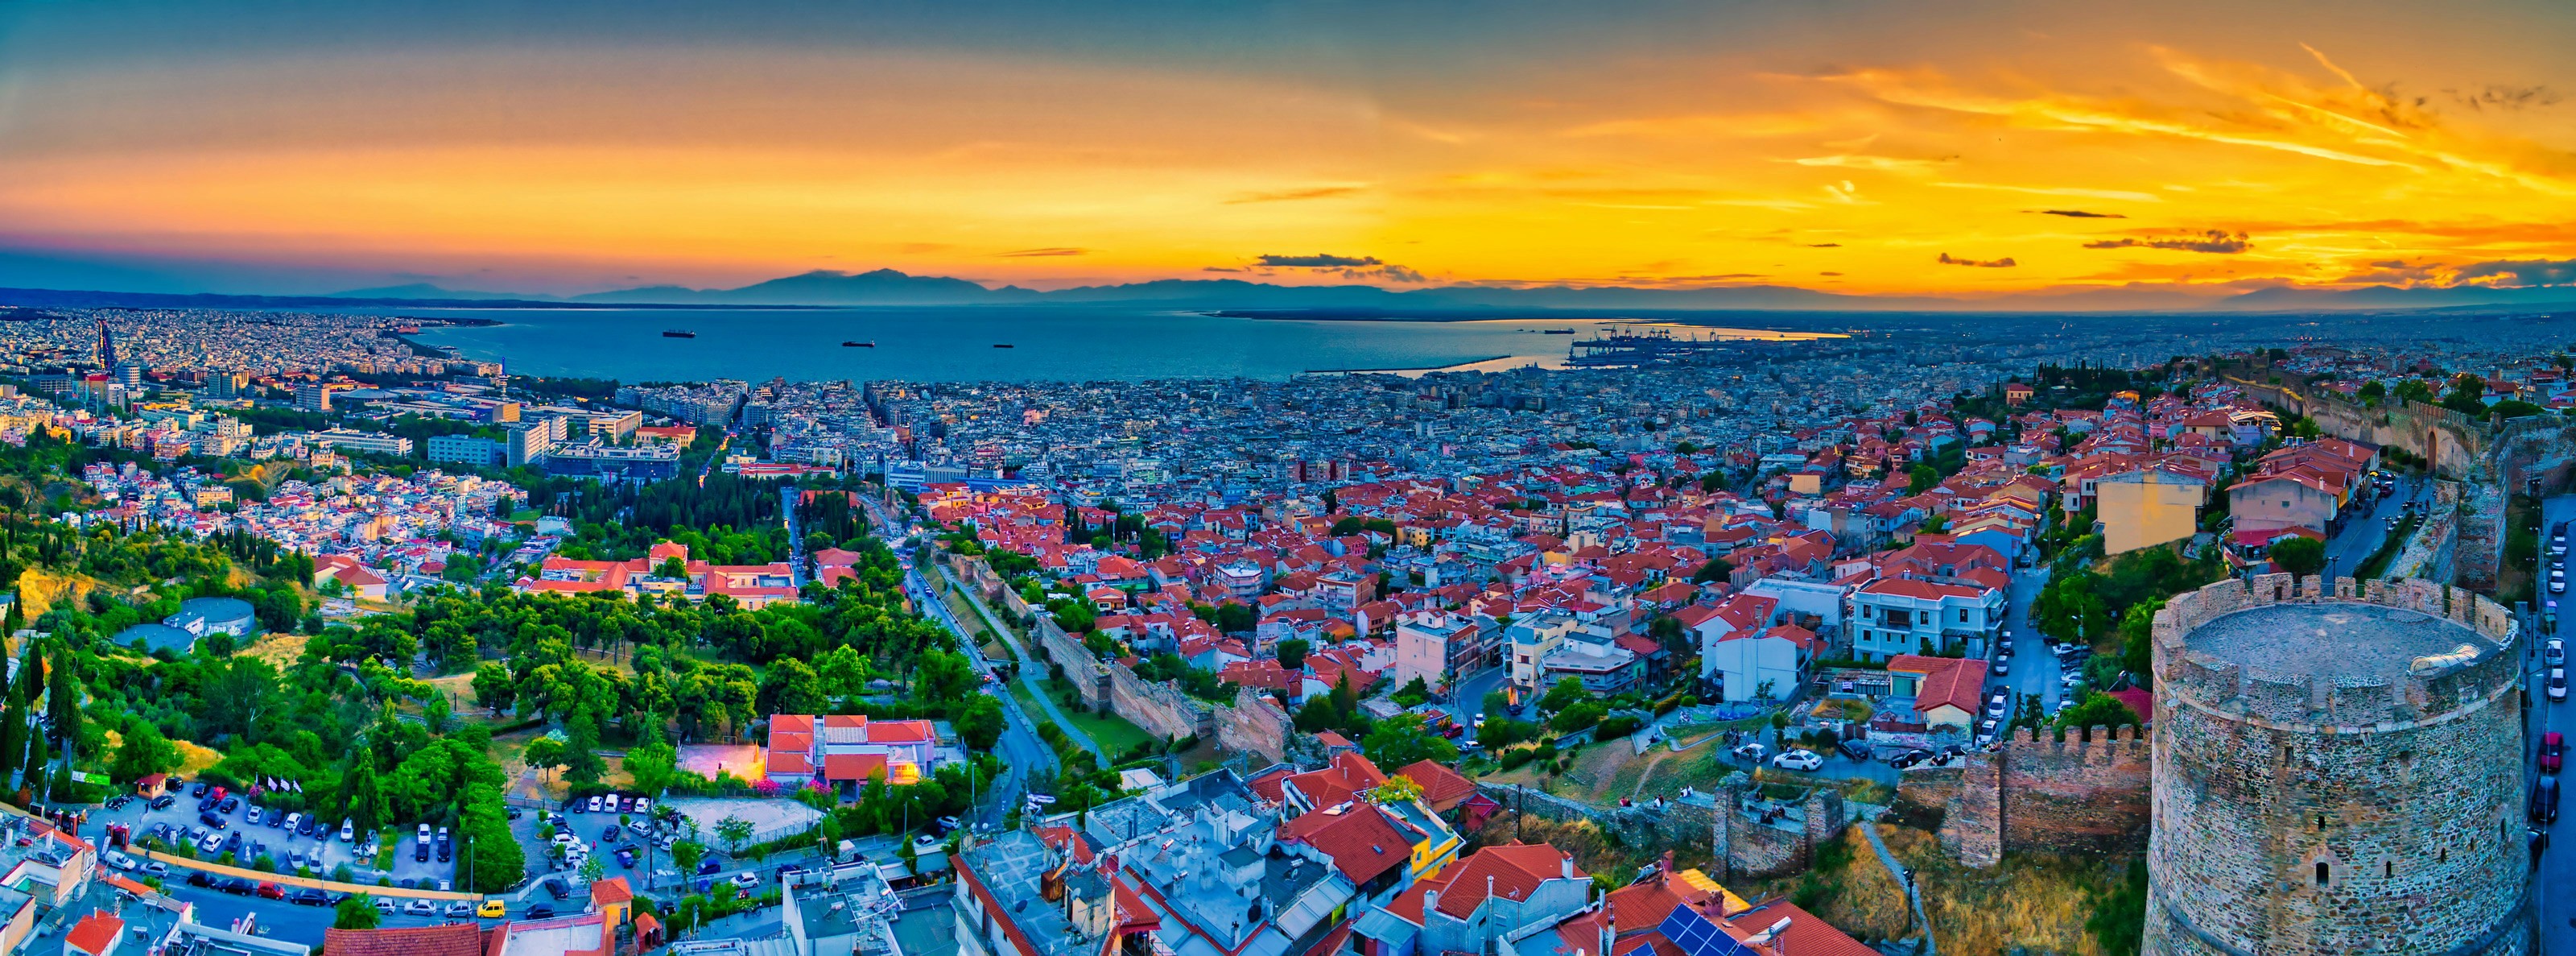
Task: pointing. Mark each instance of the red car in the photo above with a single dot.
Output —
(271, 891)
(2553, 748)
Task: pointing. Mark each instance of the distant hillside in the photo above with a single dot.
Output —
(423, 290)
(821, 287)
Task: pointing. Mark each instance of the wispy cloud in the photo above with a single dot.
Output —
(2077, 214)
(2211, 240)
(1291, 195)
(2003, 263)
(1316, 261)
(2077, 192)
(1043, 252)
(1865, 161)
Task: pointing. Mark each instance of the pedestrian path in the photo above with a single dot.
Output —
(1870, 829)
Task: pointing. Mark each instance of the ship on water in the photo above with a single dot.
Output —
(678, 334)
(860, 345)
(1004, 345)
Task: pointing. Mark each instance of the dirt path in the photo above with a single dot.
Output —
(1638, 792)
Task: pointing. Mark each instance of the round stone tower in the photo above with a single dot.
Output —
(2337, 772)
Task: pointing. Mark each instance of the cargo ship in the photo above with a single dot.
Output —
(1004, 345)
(859, 345)
(678, 334)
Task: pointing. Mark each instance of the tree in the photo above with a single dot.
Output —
(653, 763)
(790, 686)
(547, 753)
(1292, 653)
(356, 911)
(143, 752)
(1715, 570)
(582, 763)
(1402, 740)
(1921, 478)
(944, 678)
(685, 854)
(735, 831)
(493, 686)
(2300, 556)
(979, 725)
(1566, 692)
(2097, 709)
(1397, 789)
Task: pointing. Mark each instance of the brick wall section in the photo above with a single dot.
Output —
(2085, 794)
(2407, 792)
(1973, 829)
(1253, 725)
(1923, 799)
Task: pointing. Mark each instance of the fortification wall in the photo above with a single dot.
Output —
(1253, 725)
(1161, 709)
(2083, 794)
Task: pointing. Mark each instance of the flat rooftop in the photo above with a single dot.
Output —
(2331, 639)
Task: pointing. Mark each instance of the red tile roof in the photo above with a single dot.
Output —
(1363, 843)
(452, 939)
(1442, 787)
(1513, 870)
(96, 933)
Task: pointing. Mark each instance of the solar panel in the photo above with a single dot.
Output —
(1696, 936)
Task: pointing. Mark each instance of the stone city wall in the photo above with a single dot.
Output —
(2084, 794)
(1254, 725)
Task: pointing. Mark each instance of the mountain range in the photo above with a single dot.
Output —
(891, 287)
(888, 287)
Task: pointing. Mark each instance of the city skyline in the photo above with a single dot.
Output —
(1859, 149)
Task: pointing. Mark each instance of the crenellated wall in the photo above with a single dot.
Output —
(2068, 791)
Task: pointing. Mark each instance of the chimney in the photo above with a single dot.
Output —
(1566, 863)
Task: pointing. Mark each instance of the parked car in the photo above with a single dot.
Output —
(271, 891)
(200, 878)
(2557, 683)
(1855, 748)
(1909, 758)
(349, 831)
(540, 911)
(208, 818)
(309, 896)
(492, 908)
(460, 910)
(592, 806)
(2553, 748)
(198, 789)
(157, 868)
(1799, 760)
(2003, 668)
(708, 866)
(612, 834)
(163, 802)
(231, 804)
(421, 908)
(238, 886)
(2554, 653)
(2544, 801)
(555, 888)
(118, 860)
(626, 857)
(384, 905)
(643, 805)
(1753, 751)
(1995, 705)
(252, 818)
(295, 822)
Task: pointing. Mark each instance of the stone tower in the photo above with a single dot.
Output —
(2337, 772)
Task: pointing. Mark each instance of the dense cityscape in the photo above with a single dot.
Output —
(1927, 636)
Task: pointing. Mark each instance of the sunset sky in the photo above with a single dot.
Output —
(1958, 149)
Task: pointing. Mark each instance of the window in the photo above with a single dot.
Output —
(1963, 615)
(2321, 872)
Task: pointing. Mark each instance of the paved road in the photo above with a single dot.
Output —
(1032, 670)
(2554, 877)
(2033, 670)
(2362, 535)
(795, 537)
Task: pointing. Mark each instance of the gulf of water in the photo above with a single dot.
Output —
(956, 344)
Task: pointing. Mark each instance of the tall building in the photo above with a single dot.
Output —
(227, 384)
(312, 397)
(528, 445)
(2337, 772)
(467, 450)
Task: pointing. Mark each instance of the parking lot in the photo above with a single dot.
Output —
(293, 842)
